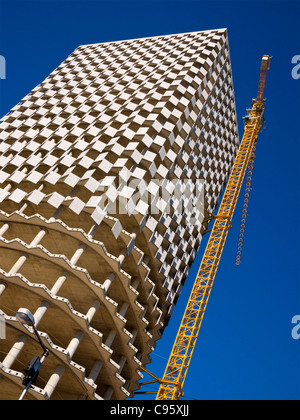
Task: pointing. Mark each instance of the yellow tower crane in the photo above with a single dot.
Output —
(171, 386)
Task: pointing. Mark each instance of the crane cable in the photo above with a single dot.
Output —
(245, 207)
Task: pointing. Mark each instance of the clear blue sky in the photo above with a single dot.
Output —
(245, 349)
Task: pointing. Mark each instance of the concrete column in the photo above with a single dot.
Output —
(134, 334)
(93, 309)
(24, 257)
(14, 352)
(108, 393)
(39, 237)
(40, 312)
(57, 213)
(17, 266)
(135, 233)
(110, 338)
(135, 283)
(59, 283)
(4, 228)
(121, 364)
(108, 282)
(77, 254)
(74, 343)
(3, 286)
(53, 381)
(95, 370)
(144, 311)
(122, 256)
(93, 231)
(123, 309)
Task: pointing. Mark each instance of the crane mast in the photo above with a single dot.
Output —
(171, 386)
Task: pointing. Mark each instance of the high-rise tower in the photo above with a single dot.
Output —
(106, 167)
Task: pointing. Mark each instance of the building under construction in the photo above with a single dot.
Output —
(105, 170)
